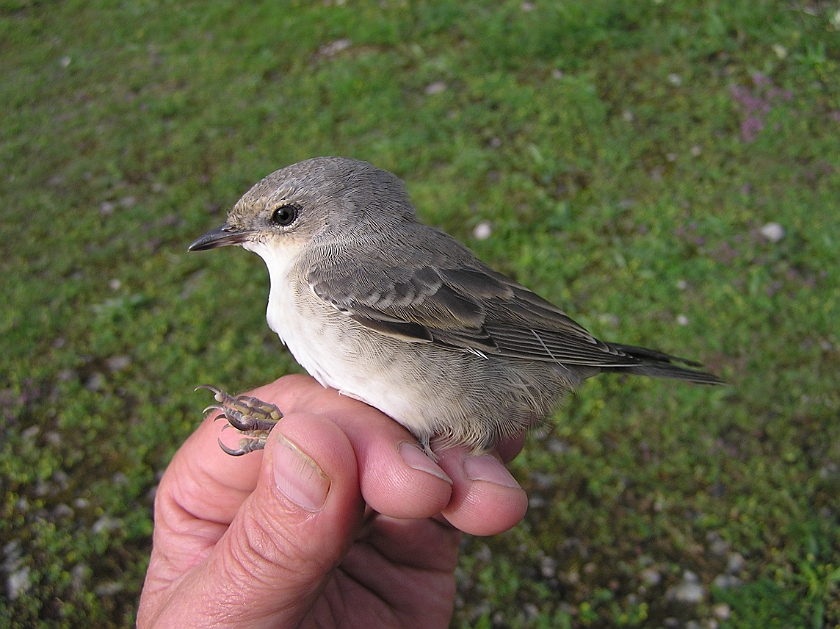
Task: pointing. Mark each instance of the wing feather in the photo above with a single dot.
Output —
(470, 307)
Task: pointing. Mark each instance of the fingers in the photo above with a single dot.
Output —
(486, 499)
(228, 528)
(396, 477)
(281, 545)
(476, 494)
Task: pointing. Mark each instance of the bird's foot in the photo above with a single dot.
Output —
(249, 416)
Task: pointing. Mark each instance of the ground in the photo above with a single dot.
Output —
(667, 171)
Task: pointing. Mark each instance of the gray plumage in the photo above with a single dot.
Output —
(402, 316)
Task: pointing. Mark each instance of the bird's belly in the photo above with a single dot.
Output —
(433, 391)
(338, 354)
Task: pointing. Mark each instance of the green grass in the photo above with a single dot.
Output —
(627, 155)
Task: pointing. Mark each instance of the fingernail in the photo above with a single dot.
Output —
(298, 477)
(417, 460)
(486, 468)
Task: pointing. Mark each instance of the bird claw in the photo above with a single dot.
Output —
(245, 446)
(250, 416)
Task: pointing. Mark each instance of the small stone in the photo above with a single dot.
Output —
(773, 232)
(114, 284)
(105, 523)
(527, 7)
(118, 363)
(106, 208)
(696, 150)
(18, 582)
(62, 511)
(108, 589)
(719, 547)
(558, 446)
(548, 567)
(333, 48)
(651, 577)
(78, 575)
(484, 554)
(682, 320)
(736, 563)
(556, 73)
(686, 592)
(682, 284)
(675, 79)
(828, 470)
(435, 88)
(12, 553)
(95, 382)
(64, 61)
(607, 318)
(483, 230)
(725, 581)
(722, 611)
(30, 433)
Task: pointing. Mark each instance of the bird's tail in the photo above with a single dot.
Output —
(660, 365)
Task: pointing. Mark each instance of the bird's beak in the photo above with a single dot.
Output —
(220, 237)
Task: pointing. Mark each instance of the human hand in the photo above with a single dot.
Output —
(280, 538)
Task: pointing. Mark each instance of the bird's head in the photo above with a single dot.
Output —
(295, 205)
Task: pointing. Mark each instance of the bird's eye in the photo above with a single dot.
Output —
(285, 215)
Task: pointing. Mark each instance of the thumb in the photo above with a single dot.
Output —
(287, 537)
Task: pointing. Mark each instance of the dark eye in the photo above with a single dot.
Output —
(285, 215)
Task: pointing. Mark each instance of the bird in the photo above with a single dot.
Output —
(398, 314)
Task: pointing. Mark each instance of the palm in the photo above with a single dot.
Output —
(398, 574)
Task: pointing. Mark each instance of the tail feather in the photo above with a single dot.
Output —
(660, 365)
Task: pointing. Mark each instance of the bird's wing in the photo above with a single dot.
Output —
(465, 305)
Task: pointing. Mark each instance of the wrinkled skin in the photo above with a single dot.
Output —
(231, 549)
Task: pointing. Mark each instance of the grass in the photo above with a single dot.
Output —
(627, 156)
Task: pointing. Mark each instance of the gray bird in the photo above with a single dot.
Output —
(405, 318)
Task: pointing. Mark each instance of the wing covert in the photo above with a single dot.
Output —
(469, 307)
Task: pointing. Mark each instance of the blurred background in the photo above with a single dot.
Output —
(667, 171)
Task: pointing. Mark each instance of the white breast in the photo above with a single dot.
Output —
(337, 351)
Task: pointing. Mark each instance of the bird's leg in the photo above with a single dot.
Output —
(426, 444)
(251, 417)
